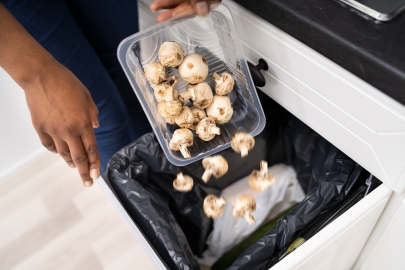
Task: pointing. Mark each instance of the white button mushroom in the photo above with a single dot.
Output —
(170, 108)
(260, 180)
(244, 206)
(214, 206)
(223, 83)
(170, 120)
(242, 142)
(220, 109)
(155, 73)
(207, 129)
(198, 115)
(171, 54)
(215, 165)
(200, 94)
(183, 183)
(185, 119)
(194, 68)
(182, 138)
(165, 91)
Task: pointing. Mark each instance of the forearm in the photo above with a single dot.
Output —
(21, 55)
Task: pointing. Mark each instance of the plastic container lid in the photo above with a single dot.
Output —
(215, 38)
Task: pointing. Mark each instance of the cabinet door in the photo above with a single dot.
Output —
(338, 245)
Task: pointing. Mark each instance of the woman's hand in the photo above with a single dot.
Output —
(181, 8)
(64, 115)
(62, 110)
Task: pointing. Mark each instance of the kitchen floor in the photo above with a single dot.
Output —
(50, 221)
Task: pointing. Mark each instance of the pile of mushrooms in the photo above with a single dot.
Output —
(208, 109)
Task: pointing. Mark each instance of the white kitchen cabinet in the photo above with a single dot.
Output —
(354, 116)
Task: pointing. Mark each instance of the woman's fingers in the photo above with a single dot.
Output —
(90, 146)
(80, 159)
(47, 141)
(183, 10)
(165, 4)
(200, 7)
(64, 152)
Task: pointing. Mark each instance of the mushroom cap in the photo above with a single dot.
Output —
(220, 109)
(214, 206)
(206, 129)
(198, 115)
(155, 73)
(181, 136)
(170, 108)
(183, 182)
(242, 142)
(244, 205)
(262, 179)
(194, 68)
(165, 91)
(170, 120)
(217, 164)
(203, 94)
(170, 54)
(223, 83)
(185, 119)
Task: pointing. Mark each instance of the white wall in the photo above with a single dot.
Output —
(19, 142)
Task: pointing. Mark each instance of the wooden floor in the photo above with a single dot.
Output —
(50, 221)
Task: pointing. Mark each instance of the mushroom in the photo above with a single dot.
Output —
(182, 138)
(165, 91)
(214, 206)
(206, 129)
(194, 68)
(244, 206)
(185, 119)
(183, 183)
(215, 165)
(170, 120)
(155, 73)
(200, 94)
(171, 54)
(220, 109)
(198, 115)
(260, 180)
(223, 83)
(170, 108)
(242, 142)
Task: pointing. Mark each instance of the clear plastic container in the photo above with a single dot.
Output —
(215, 38)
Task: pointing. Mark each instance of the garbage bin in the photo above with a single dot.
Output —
(174, 224)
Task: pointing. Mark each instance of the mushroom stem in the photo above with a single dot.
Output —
(221, 202)
(263, 168)
(189, 94)
(244, 150)
(215, 130)
(184, 151)
(217, 78)
(249, 218)
(206, 175)
(180, 176)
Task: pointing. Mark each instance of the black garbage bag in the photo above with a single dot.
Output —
(327, 176)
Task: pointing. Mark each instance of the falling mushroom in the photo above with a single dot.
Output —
(214, 206)
(244, 206)
(171, 54)
(207, 129)
(165, 91)
(260, 180)
(198, 115)
(242, 142)
(185, 119)
(183, 183)
(194, 68)
(182, 138)
(200, 94)
(223, 83)
(214, 165)
(155, 73)
(220, 109)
